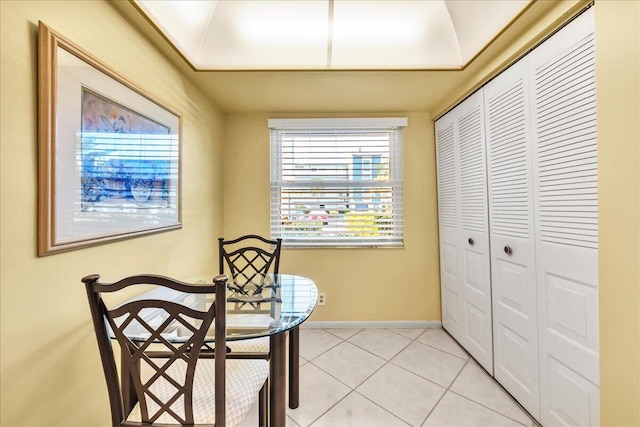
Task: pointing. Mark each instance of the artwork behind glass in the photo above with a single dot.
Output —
(125, 158)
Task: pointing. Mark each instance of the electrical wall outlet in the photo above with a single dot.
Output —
(322, 299)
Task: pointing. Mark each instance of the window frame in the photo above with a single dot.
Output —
(394, 125)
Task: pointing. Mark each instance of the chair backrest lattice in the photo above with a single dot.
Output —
(249, 259)
(152, 407)
(161, 371)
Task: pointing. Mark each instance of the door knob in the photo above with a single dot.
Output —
(471, 242)
(507, 250)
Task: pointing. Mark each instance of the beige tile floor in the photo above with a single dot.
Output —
(394, 377)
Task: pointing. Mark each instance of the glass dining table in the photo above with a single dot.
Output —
(273, 307)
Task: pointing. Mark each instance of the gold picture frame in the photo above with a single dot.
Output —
(108, 153)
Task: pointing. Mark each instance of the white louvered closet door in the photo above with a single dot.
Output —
(448, 208)
(566, 204)
(464, 236)
(474, 230)
(515, 324)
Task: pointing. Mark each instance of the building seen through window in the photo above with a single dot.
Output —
(336, 185)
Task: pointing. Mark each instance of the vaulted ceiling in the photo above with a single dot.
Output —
(329, 88)
(330, 34)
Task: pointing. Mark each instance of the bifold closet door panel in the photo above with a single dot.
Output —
(474, 230)
(464, 237)
(566, 204)
(515, 323)
(448, 216)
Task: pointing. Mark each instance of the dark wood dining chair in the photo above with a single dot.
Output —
(169, 375)
(250, 259)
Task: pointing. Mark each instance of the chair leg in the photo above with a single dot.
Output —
(263, 405)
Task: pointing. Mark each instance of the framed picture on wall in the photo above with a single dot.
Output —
(108, 153)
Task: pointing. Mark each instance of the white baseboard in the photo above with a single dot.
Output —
(390, 324)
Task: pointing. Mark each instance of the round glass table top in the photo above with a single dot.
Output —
(264, 306)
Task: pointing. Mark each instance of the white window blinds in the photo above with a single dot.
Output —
(337, 182)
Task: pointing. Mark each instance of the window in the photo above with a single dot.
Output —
(337, 182)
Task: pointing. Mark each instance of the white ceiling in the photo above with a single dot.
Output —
(330, 34)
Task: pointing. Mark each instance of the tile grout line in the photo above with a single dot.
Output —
(491, 377)
(466, 361)
(445, 392)
(367, 351)
(389, 361)
(318, 367)
(428, 379)
(384, 409)
(381, 367)
(490, 409)
(310, 361)
(353, 389)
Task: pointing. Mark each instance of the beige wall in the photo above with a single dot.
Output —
(50, 367)
(361, 284)
(618, 100)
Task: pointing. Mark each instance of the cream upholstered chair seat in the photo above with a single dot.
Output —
(244, 380)
(255, 345)
(249, 321)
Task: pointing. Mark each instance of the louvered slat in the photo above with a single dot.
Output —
(508, 154)
(472, 180)
(567, 147)
(447, 200)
